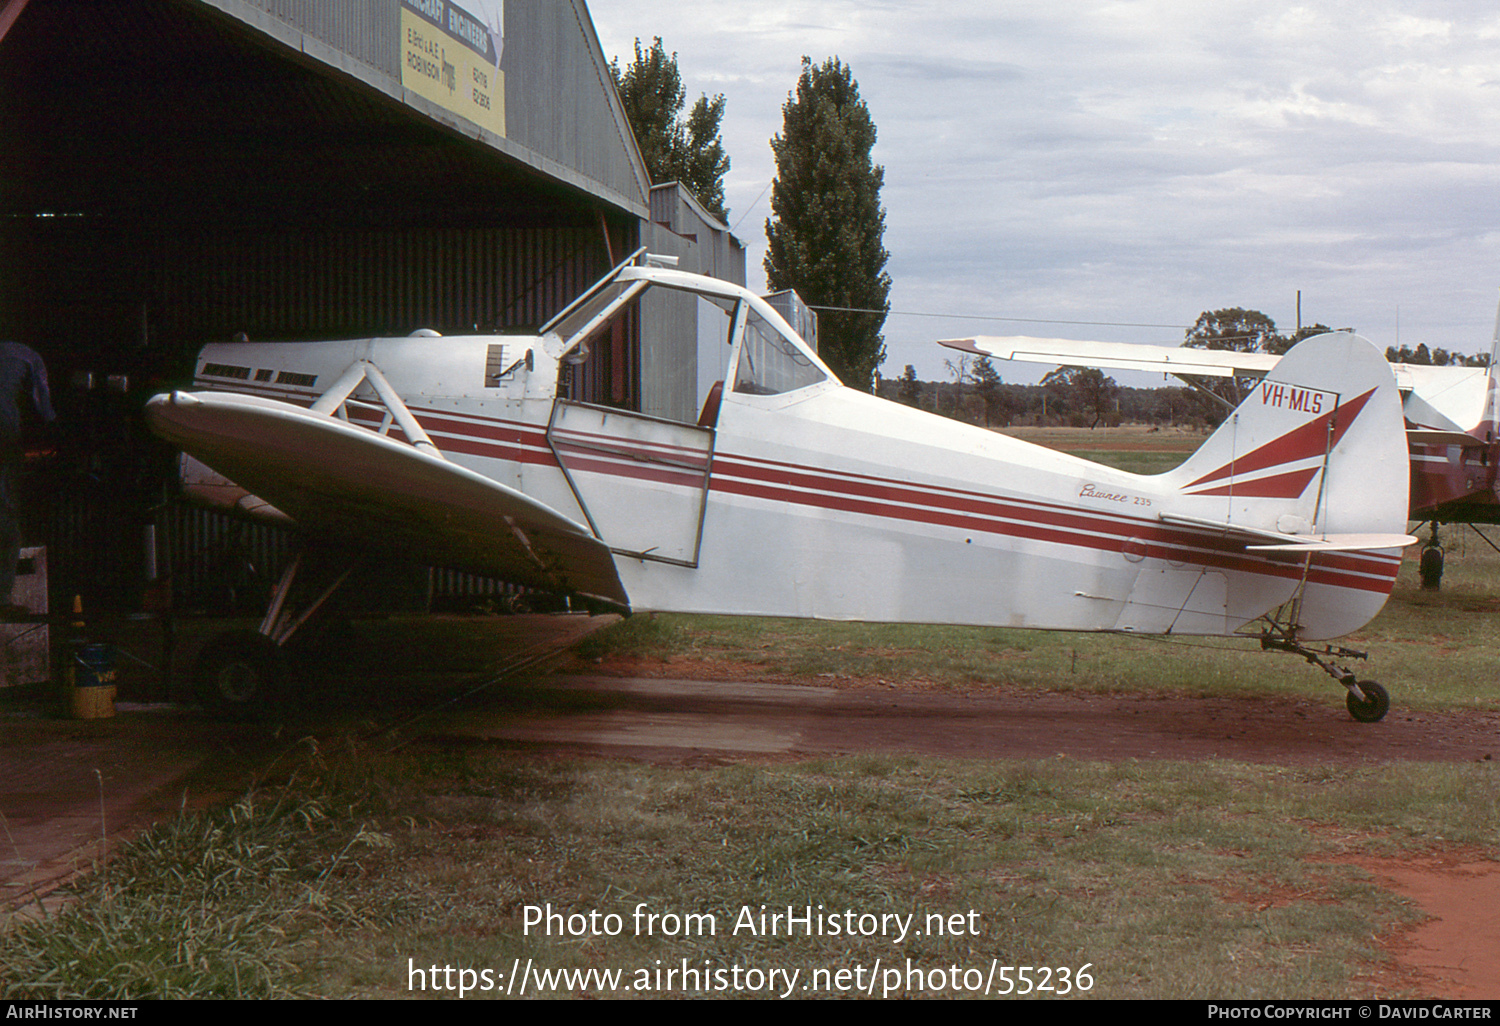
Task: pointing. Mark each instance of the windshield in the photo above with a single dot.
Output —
(770, 363)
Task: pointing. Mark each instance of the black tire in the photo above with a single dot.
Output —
(239, 674)
(1375, 705)
(1430, 568)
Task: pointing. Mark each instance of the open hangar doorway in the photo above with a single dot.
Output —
(177, 173)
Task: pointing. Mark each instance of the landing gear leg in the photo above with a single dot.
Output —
(1367, 702)
(1430, 568)
(240, 672)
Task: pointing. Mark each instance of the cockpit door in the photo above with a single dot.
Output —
(642, 481)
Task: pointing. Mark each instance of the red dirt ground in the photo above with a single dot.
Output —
(1290, 731)
(1455, 953)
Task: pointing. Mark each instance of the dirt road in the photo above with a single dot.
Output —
(738, 716)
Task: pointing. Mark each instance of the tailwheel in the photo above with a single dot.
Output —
(1374, 705)
(238, 674)
(1367, 701)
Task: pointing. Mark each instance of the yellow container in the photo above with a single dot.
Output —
(91, 681)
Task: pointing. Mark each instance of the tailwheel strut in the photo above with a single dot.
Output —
(1367, 701)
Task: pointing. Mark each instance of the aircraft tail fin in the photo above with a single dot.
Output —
(1312, 468)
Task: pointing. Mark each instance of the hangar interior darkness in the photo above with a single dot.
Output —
(172, 177)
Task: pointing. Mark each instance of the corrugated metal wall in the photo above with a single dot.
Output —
(669, 342)
(560, 97)
(226, 566)
(712, 249)
(273, 283)
(220, 564)
(671, 385)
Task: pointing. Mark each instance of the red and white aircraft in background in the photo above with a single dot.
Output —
(793, 495)
(1451, 414)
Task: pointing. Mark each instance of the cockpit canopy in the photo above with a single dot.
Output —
(761, 353)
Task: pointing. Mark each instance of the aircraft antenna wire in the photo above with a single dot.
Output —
(991, 317)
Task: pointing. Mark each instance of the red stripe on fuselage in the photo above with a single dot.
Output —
(1038, 521)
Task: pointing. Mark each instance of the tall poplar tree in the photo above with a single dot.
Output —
(689, 151)
(827, 226)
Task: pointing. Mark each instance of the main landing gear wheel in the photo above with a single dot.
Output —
(238, 674)
(1430, 567)
(1375, 705)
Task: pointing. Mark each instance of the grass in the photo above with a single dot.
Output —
(213, 905)
(1125, 438)
(1134, 462)
(1131, 447)
(1167, 880)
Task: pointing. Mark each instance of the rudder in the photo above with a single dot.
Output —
(1317, 451)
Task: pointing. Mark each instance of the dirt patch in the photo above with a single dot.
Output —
(1455, 952)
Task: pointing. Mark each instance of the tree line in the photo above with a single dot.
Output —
(1087, 397)
(1079, 398)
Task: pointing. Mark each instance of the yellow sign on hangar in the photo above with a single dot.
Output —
(452, 57)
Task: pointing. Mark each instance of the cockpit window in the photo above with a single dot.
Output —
(770, 363)
(586, 317)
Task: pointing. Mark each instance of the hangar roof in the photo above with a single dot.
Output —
(297, 110)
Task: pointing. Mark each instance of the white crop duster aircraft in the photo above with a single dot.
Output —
(793, 495)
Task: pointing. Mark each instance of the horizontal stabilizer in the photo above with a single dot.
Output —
(1256, 540)
(1340, 543)
(1431, 436)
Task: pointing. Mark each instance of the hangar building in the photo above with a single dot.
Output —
(183, 171)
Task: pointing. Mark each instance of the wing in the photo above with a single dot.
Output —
(350, 486)
(1208, 363)
(1437, 401)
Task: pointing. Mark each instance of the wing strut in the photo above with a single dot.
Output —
(332, 402)
(280, 624)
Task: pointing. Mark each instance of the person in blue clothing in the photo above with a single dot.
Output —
(23, 397)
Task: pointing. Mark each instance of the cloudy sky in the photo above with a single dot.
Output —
(1136, 162)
